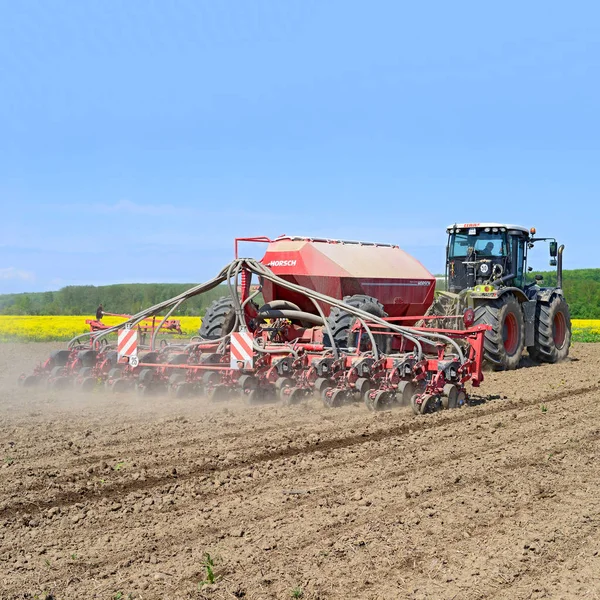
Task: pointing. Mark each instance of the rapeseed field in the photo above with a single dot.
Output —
(586, 330)
(59, 328)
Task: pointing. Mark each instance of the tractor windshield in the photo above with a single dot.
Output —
(482, 242)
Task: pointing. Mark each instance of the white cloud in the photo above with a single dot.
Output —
(10, 273)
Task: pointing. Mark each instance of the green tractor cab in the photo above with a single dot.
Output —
(486, 270)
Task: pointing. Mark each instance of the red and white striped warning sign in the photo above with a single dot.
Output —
(241, 350)
(127, 344)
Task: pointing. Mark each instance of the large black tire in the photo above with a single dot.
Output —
(552, 337)
(505, 342)
(341, 322)
(218, 320)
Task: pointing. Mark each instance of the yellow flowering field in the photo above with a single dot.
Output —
(57, 328)
(586, 330)
(591, 324)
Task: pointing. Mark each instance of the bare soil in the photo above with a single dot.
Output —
(122, 497)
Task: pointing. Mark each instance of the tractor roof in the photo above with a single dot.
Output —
(485, 225)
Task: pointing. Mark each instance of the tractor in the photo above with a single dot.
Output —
(486, 271)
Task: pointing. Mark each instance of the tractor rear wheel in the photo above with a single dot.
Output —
(552, 336)
(341, 322)
(218, 320)
(504, 343)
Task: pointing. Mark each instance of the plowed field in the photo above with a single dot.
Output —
(122, 497)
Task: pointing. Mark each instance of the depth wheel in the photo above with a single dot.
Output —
(252, 398)
(322, 383)
(382, 400)
(88, 384)
(182, 390)
(283, 386)
(30, 381)
(294, 396)
(146, 376)
(362, 386)
(450, 396)
(338, 397)
(428, 403)
(405, 392)
(122, 385)
(175, 381)
(60, 383)
(218, 393)
(416, 407)
(334, 397)
(262, 395)
(211, 378)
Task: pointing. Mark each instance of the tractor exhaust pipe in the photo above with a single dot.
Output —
(559, 267)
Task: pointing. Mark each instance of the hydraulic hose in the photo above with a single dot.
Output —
(230, 273)
(279, 305)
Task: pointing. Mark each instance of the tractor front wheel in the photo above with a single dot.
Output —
(504, 343)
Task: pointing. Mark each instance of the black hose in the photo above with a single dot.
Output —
(231, 272)
(279, 305)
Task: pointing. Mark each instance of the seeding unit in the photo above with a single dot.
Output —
(339, 319)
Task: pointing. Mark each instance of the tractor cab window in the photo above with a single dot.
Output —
(517, 255)
(481, 242)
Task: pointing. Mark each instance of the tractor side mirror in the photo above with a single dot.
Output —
(530, 269)
(553, 249)
(553, 262)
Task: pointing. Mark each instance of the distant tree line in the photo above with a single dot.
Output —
(581, 287)
(126, 298)
(582, 291)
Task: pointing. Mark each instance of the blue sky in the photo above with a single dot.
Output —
(137, 139)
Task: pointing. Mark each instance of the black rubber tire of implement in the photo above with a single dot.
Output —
(341, 322)
(218, 320)
(496, 313)
(549, 345)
